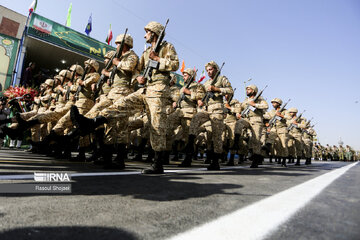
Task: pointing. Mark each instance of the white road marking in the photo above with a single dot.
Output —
(260, 219)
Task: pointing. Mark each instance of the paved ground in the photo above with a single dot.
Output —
(128, 205)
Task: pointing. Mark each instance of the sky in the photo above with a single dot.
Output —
(308, 51)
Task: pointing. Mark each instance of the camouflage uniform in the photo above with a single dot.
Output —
(255, 120)
(296, 135)
(186, 111)
(214, 111)
(84, 101)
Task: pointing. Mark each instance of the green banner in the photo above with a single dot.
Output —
(52, 32)
(8, 49)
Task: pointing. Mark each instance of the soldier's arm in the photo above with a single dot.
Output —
(169, 60)
(225, 88)
(128, 64)
(94, 77)
(197, 93)
(262, 104)
(236, 108)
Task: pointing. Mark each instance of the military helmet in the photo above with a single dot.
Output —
(128, 39)
(155, 27)
(79, 69)
(65, 73)
(57, 77)
(93, 63)
(49, 82)
(277, 100)
(212, 64)
(190, 71)
(293, 110)
(253, 87)
(110, 54)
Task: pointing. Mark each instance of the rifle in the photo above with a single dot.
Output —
(246, 111)
(210, 94)
(229, 101)
(152, 64)
(117, 55)
(67, 95)
(182, 96)
(296, 120)
(308, 123)
(273, 119)
(80, 87)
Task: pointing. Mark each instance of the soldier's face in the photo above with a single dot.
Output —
(275, 105)
(148, 36)
(249, 92)
(293, 114)
(211, 71)
(186, 77)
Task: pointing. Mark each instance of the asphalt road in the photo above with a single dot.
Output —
(128, 205)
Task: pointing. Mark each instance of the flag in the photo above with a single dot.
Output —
(202, 76)
(109, 36)
(32, 7)
(68, 19)
(88, 26)
(182, 66)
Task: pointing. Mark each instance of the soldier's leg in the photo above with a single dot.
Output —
(217, 126)
(199, 119)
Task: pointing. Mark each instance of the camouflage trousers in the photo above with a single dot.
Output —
(39, 131)
(281, 145)
(217, 125)
(173, 132)
(155, 102)
(241, 128)
(64, 124)
(307, 148)
(230, 125)
(53, 116)
(256, 129)
(295, 146)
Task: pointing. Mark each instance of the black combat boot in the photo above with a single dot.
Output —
(214, 165)
(80, 157)
(121, 155)
(166, 158)
(157, 166)
(6, 120)
(84, 124)
(308, 161)
(231, 160)
(107, 154)
(270, 159)
(189, 152)
(13, 133)
(241, 159)
(140, 149)
(175, 151)
(297, 161)
(255, 161)
(283, 163)
(208, 158)
(23, 124)
(150, 156)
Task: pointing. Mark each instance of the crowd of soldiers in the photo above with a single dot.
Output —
(335, 153)
(134, 101)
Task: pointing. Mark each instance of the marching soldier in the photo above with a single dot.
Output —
(296, 133)
(186, 109)
(155, 96)
(214, 112)
(255, 120)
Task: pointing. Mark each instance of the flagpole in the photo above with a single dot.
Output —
(18, 55)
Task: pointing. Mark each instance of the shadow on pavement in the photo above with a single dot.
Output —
(70, 232)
